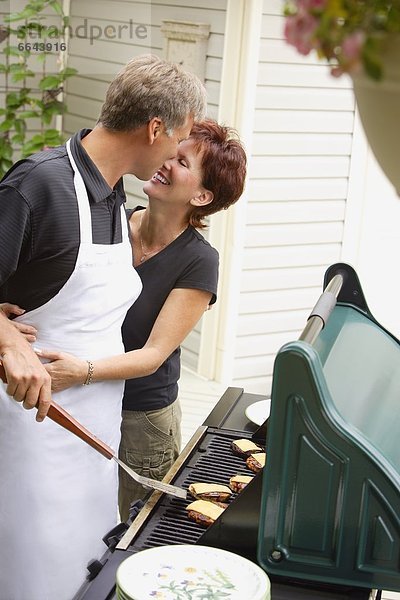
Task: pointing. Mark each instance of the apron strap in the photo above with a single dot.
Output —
(85, 218)
(124, 225)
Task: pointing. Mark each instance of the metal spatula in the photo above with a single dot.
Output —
(63, 418)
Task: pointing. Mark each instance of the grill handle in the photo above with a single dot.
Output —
(322, 310)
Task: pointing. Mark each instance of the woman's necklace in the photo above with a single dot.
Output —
(146, 253)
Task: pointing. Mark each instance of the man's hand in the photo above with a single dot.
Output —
(27, 379)
(9, 310)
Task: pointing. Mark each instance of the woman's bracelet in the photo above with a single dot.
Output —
(89, 373)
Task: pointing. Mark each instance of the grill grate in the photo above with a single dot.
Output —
(212, 462)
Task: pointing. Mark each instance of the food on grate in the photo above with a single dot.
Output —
(203, 512)
(210, 491)
(256, 462)
(245, 447)
(239, 482)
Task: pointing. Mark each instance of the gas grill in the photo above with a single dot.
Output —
(323, 517)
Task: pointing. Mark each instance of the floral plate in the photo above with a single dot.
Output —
(185, 572)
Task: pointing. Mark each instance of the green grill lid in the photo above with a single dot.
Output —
(330, 509)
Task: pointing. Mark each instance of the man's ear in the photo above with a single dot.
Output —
(154, 129)
(203, 198)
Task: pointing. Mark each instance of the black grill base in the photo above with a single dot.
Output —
(213, 461)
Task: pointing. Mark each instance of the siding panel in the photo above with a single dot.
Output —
(297, 190)
(302, 189)
(305, 144)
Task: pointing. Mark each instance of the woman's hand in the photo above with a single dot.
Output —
(65, 369)
(27, 331)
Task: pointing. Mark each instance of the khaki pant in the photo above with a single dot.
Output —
(150, 444)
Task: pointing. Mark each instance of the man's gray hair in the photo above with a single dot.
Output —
(148, 87)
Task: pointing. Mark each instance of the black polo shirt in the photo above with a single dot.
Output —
(39, 222)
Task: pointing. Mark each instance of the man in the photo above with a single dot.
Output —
(67, 260)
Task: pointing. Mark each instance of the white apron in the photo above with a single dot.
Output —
(58, 496)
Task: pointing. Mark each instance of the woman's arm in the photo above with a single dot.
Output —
(179, 314)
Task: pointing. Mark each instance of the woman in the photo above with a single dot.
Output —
(179, 272)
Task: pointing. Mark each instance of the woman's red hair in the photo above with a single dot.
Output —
(223, 164)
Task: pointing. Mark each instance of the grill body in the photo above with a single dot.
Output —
(331, 496)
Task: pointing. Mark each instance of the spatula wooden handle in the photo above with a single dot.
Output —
(62, 417)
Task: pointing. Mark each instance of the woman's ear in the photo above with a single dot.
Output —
(203, 198)
(154, 129)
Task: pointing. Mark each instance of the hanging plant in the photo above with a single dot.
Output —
(350, 34)
(29, 45)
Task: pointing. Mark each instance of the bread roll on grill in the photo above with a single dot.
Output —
(204, 513)
(256, 462)
(245, 447)
(238, 482)
(213, 492)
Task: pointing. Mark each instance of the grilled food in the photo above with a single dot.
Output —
(238, 482)
(213, 492)
(256, 462)
(245, 447)
(204, 513)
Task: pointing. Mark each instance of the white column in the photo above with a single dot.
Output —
(227, 230)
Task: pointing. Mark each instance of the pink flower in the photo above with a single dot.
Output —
(299, 31)
(350, 56)
(352, 46)
(310, 5)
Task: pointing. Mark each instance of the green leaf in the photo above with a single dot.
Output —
(28, 114)
(12, 100)
(42, 56)
(5, 165)
(20, 125)
(22, 74)
(15, 67)
(18, 138)
(7, 125)
(57, 7)
(54, 108)
(26, 13)
(19, 76)
(46, 118)
(68, 72)
(6, 149)
(49, 82)
(52, 136)
(13, 51)
(33, 145)
(372, 61)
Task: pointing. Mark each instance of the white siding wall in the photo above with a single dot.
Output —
(99, 61)
(297, 190)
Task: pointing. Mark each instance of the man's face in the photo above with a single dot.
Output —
(163, 148)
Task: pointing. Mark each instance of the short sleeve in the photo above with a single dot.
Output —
(14, 231)
(201, 273)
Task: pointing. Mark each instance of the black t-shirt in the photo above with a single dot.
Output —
(39, 222)
(188, 262)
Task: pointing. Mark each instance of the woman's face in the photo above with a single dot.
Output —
(180, 178)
